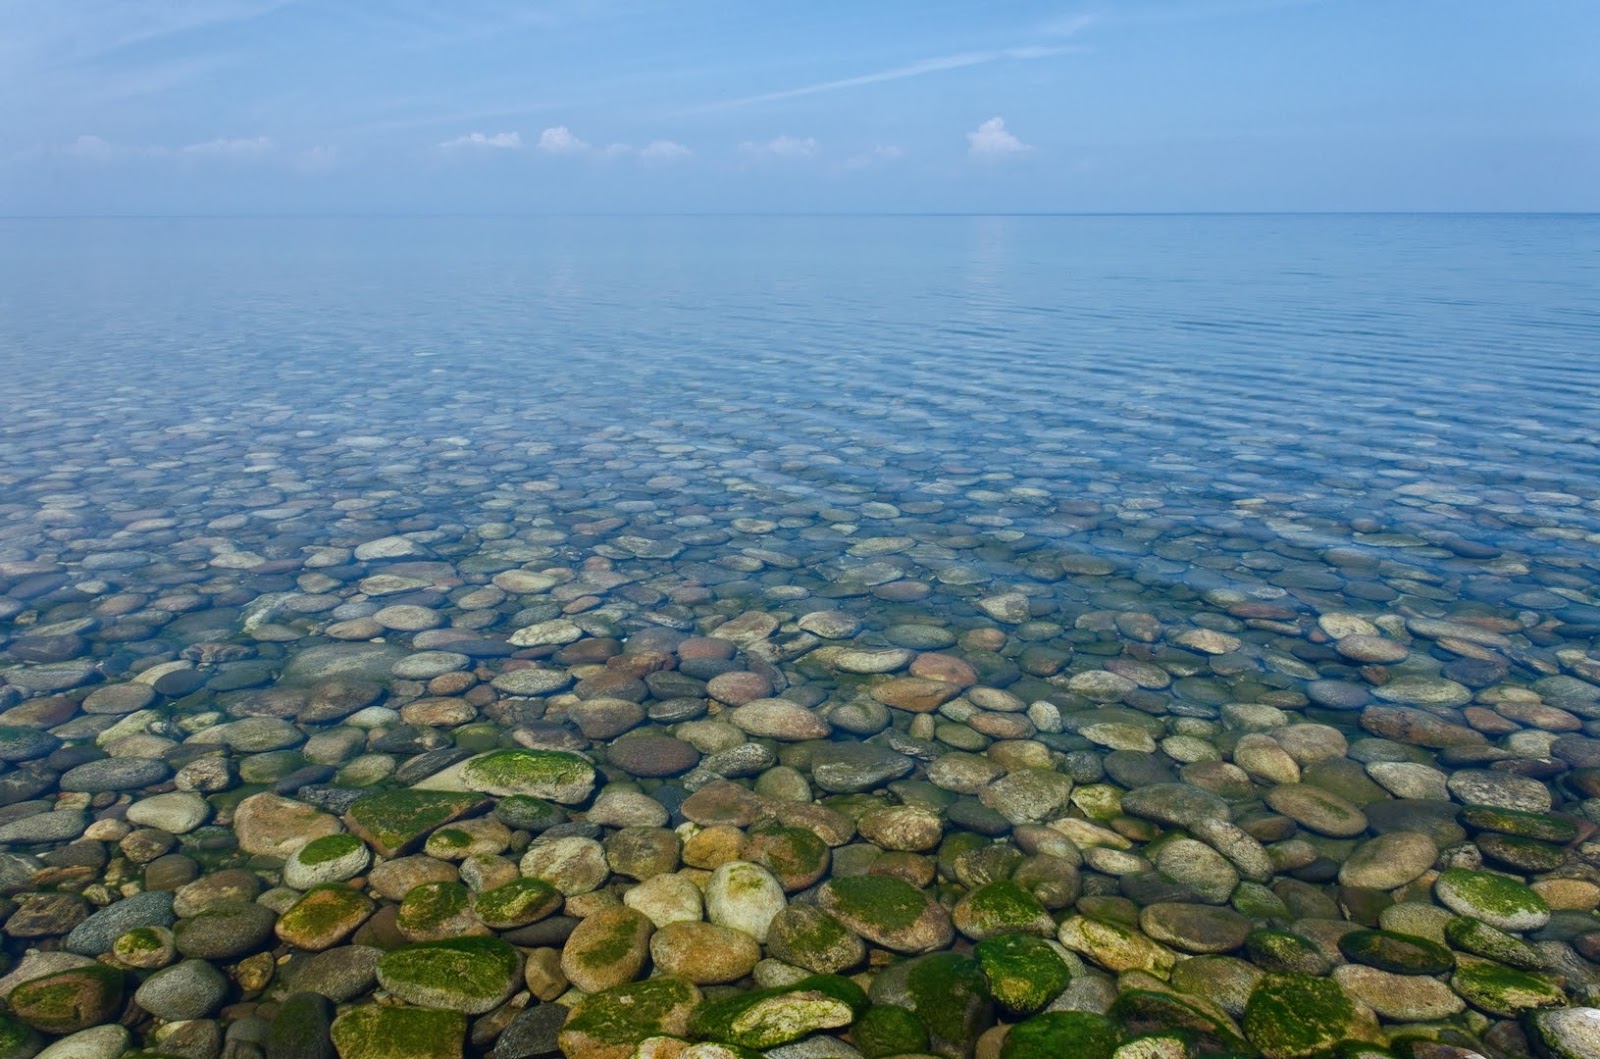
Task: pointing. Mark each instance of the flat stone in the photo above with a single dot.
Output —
(95, 935)
(1389, 861)
(114, 774)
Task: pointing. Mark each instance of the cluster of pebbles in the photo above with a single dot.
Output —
(646, 696)
(597, 777)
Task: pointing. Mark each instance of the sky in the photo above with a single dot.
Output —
(182, 107)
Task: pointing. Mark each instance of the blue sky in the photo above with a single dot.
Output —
(264, 106)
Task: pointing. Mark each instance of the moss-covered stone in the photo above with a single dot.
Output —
(71, 1000)
(1001, 907)
(301, 1026)
(1062, 1035)
(373, 1032)
(328, 848)
(887, 911)
(808, 937)
(1116, 947)
(608, 1024)
(1024, 972)
(324, 917)
(884, 1030)
(471, 975)
(1504, 991)
(555, 775)
(1495, 899)
(436, 911)
(1292, 1016)
(396, 822)
(1151, 1011)
(1285, 952)
(17, 1039)
(1396, 953)
(796, 857)
(523, 812)
(607, 949)
(767, 1018)
(947, 992)
(1480, 939)
(516, 904)
(1540, 826)
(145, 948)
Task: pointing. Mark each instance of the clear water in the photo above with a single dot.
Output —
(1237, 393)
(1169, 482)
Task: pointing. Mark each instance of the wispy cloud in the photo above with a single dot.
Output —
(91, 147)
(993, 140)
(780, 147)
(881, 154)
(558, 139)
(252, 147)
(921, 68)
(663, 151)
(500, 141)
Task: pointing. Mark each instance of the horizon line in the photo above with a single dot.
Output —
(574, 214)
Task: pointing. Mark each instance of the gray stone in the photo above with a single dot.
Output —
(114, 774)
(95, 935)
(192, 989)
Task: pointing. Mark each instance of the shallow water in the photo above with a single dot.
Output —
(1189, 452)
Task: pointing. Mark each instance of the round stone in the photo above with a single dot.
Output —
(704, 953)
(114, 774)
(1195, 928)
(408, 618)
(178, 813)
(1318, 810)
(651, 756)
(1389, 861)
(119, 698)
(1498, 901)
(191, 989)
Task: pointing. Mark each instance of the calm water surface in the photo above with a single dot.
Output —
(1111, 500)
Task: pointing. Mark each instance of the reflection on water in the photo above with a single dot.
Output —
(1122, 499)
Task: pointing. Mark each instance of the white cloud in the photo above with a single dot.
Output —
(781, 147)
(993, 140)
(317, 159)
(91, 147)
(559, 140)
(503, 141)
(664, 151)
(234, 148)
(881, 154)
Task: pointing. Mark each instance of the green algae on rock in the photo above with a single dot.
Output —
(947, 992)
(807, 937)
(887, 911)
(555, 775)
(324, 917)
(1504, 991)
(470, 975)
(1292, 1016)
(608, 1024)
(767, 1018)
(374, 1032)
(1001, 907)
(1498, 901)
(884, 1030)
(516, 904)
(396, 822)
(1157, 1011)
(69, 1001)
(1024, 972)
(1396, 953)
(1062, 1035)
